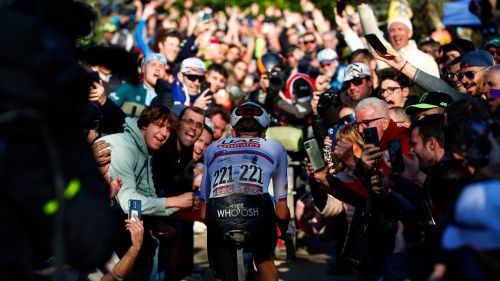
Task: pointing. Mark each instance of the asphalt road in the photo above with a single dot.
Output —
(313, 256)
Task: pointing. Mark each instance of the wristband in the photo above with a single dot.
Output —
(403, 66)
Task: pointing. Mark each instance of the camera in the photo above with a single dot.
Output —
(328, 103)
(276, 79)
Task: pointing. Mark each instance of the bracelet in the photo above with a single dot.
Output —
(403, 66)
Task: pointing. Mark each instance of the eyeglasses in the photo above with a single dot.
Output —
(356, 81)
(190, 122)
(365, 124)
(389, 90)
(194, 77)
(467, 74)
(451, 76)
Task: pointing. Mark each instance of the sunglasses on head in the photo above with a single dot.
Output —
(194, 77)
(356, 81)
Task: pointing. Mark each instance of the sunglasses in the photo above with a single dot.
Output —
(309, 42)
(356, 81)
(467, 74)
(194, 77)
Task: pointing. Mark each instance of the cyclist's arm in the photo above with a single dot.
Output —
(280, 185)
(205, 183)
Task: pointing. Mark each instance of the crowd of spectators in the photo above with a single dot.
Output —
(419, 200)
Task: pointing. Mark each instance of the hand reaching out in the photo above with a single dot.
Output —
(136, 229)
(114, 185)
(102, 155)
(97, 93)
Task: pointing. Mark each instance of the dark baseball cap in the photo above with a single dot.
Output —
(428, 101)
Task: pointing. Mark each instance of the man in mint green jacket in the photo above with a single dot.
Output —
(131, 153)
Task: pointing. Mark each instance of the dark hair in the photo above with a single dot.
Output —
(219, 68)
(193, 109)
(392, 74)
(447, 178)
(161, 36)
(365, 53)
(431, 126)
(472, 107)
(216, 109)
(157, 114)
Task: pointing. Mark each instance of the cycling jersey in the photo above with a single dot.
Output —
(244, 166)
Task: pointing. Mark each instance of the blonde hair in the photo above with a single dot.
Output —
(353, 136)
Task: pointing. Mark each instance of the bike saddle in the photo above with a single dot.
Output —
(238, 237)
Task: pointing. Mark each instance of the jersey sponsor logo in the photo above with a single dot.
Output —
(236, 143)
(238, 210)
(223, 190)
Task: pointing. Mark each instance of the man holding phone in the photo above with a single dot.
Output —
(374, 113)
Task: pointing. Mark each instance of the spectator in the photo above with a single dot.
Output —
(472, 236)
(357, 81)
(491, 88)
(400, 32)
(173, 179)
(131, 157)
(220, 118)
(399, 116)
(427, 141)
(134, 98)
(471, 71)
(428, 104)
(394, 88)
(493, 47)
(329, 61)
(187, 84)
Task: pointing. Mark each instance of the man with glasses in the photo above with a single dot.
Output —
(394, 87)
(471, 71)
(172, 179)
(373, 112)
(357, 81)
(186, 87)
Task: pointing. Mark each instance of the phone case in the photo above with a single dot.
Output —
(370, 135)
(314, 154)
(134, 207)
(396, 156)
(375, 42)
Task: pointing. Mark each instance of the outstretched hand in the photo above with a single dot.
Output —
(393, 58)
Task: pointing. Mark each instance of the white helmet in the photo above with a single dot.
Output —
(327, 55)
(249, 110)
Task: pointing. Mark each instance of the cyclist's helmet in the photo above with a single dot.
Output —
(267, 62)
(249, 111)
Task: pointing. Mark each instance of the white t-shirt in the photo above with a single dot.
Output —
(245, 166)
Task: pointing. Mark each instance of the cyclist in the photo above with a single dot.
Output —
(234, 193)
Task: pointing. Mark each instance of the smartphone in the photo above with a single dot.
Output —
(396, 156)
(370, 135)
(376, 44)
(134, 208)
(340, 6)
(478, 144)
(314, 154)
(94, 75)
(205, 85)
